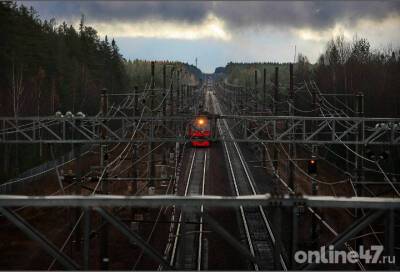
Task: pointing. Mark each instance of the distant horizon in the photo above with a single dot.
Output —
(193, 64)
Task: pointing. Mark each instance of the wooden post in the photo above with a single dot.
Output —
(104, 260)
(178, 93)
(360, 149)
(164, 109)
(171, 94)
(276, 90)
(314, 184)
(151, 145)
(255, 90)
(292, 224)
(264, 89)
(290, 123)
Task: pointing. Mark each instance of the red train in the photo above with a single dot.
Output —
(199, 129)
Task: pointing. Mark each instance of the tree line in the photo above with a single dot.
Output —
(244, 73)
(139, 72)
(344, 67)
(47, 67)
(353, 67)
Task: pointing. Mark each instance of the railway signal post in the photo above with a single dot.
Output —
(255, 90)
(275, 108)
(104, 259)
(312, 171)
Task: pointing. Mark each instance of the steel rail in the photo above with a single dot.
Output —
(188, 191)
(178, 228)
(245, 225)
(250, 182)
(200, 239)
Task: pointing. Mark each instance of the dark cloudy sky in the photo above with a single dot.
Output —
(223, 31)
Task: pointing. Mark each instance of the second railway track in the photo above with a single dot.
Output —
(257, 229)
(187, 251)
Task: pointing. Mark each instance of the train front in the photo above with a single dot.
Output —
(199, 130)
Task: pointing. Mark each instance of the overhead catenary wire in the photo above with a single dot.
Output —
(289, 188)
(350, 179)
(366, 159)
(95, 188)
(351, 182)
(113, 111)
(112, 162)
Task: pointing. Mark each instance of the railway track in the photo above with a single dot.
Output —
(187, 251)
(257, 229)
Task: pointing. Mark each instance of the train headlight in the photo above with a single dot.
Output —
(201, 121)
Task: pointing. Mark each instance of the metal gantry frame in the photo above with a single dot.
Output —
(377, 207)
(109, 124)
(102, 130)
(329, 130)
(336, 129)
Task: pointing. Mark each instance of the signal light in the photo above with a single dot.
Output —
(384, 155)
(370, 155)
(312, 166)
(377, 157)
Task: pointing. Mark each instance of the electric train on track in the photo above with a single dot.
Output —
(199, 129)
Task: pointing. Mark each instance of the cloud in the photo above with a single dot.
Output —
(210, 27)
(382, 30)
(316, 15)
(237, 14)
(134, 11)
(263, 30)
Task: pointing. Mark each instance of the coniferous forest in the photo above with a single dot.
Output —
(48, 66)
(345, 67)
